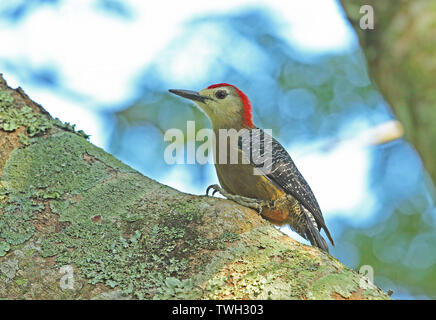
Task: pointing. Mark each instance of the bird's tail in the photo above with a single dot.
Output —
(312, 232)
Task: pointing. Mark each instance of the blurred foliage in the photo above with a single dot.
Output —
(300, 100)
(14, 11)
(401, 54)
(305, 99)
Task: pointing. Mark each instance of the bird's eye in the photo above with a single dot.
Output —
(221, 94)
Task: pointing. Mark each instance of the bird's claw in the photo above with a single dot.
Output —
(255, 204)
(216, 188)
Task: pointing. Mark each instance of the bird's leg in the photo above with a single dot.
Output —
(245, 201)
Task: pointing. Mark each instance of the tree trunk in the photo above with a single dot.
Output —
(76, 223)
(401, 56)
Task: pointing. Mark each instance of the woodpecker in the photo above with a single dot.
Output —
(277, 190)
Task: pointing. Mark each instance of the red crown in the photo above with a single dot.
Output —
(248, 119)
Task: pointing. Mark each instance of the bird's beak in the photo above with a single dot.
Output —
(188, 94)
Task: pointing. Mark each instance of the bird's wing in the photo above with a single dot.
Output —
(282, 171)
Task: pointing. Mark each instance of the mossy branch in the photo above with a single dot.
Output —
(65, 202)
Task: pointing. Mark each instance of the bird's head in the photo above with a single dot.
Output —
(225, 105)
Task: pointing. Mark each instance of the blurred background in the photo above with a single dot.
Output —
(106, 66)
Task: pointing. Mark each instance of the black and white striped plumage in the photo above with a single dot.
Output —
(284, 174)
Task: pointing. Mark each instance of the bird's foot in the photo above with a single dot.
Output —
(252, 203)
(216, 188)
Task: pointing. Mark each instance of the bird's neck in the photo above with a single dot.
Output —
(231, 121)
(236, 126)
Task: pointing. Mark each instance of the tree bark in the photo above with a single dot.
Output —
(401, 56)
(76, 223)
